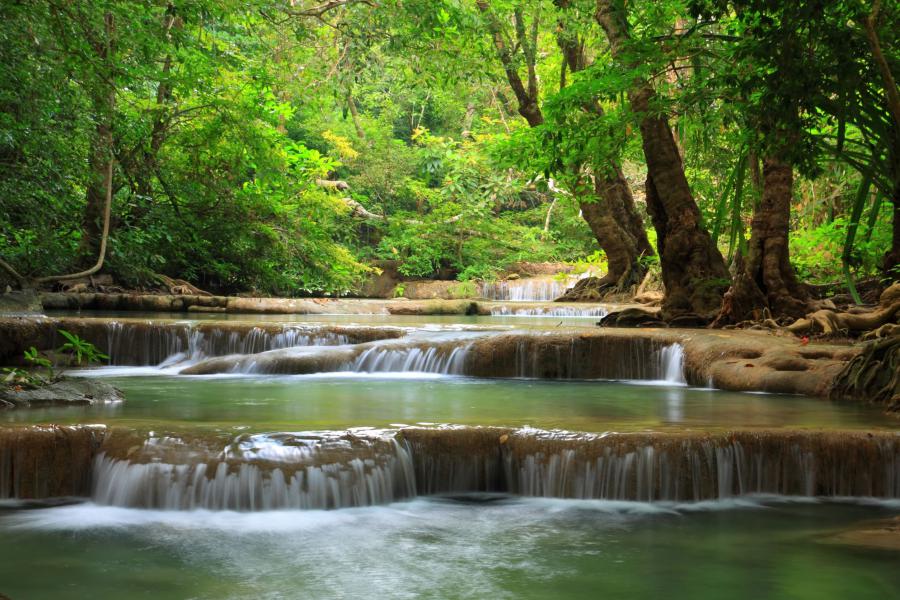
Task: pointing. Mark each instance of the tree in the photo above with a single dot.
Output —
(693, 270)
(603, 195)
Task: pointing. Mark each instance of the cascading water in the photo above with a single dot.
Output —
(671, 364)
(326, 470)
(434, 359)
(296, 480)
(550, 311)
(524, 290)
(188, 342)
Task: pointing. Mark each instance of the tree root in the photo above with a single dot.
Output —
(829, 322)
(874, 375)
(180, 287)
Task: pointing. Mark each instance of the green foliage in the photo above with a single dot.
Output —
(16, 377)
(82, 351)
(816, 252)
(464, 289)
(225, 114)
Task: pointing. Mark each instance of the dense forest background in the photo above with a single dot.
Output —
(279, 147)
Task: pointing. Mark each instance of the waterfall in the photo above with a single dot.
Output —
(550, 311)
(267, 473)
(524, 290)
(324, 470)
(434, 359)
(671, 364)
(544, 355)
(682, 467)
(170, 343)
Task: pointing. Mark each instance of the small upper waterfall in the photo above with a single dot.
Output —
(550, 311)
(525, 290)
(671, 363)
(542, 355)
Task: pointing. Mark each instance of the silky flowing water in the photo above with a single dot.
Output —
(468, 547)
(450, 516)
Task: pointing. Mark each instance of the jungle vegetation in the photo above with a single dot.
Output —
(283, 146)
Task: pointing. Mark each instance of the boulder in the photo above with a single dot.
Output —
(72, 391)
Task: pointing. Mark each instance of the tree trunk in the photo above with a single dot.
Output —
(354, 115)
(694, 272)
(624, 269)
(99, 157)
(617, 226)
(92, 220)
(766, 279)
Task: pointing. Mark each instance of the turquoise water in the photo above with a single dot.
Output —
(339, 401)
(467, 547)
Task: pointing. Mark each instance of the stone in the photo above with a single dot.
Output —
(25, 301)
(72, 391)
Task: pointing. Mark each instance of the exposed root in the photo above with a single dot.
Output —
(874, 375)
(180, 287)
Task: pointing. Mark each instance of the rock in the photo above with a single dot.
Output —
(883, 535)
(25, 301)
(632, 317)
(756, 361)
(690, 320)
(74, 391)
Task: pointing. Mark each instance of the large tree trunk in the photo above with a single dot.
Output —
(766, 279)
(612, 215)
(694, 273)
(613, 218)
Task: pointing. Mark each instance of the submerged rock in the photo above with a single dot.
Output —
(66, 392)
(882, 535)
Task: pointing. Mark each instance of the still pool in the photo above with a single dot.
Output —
(343, 400)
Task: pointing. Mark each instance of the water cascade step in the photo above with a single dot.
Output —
(562, 311)
(152, 342)
(47, 461)
(301, 470)
(529, 355)
(526, 290)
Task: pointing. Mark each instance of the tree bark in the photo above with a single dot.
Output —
(767, 279)
(611, 216)
(611, 186)
(101, 151)
(694, 272)
(354, 115)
